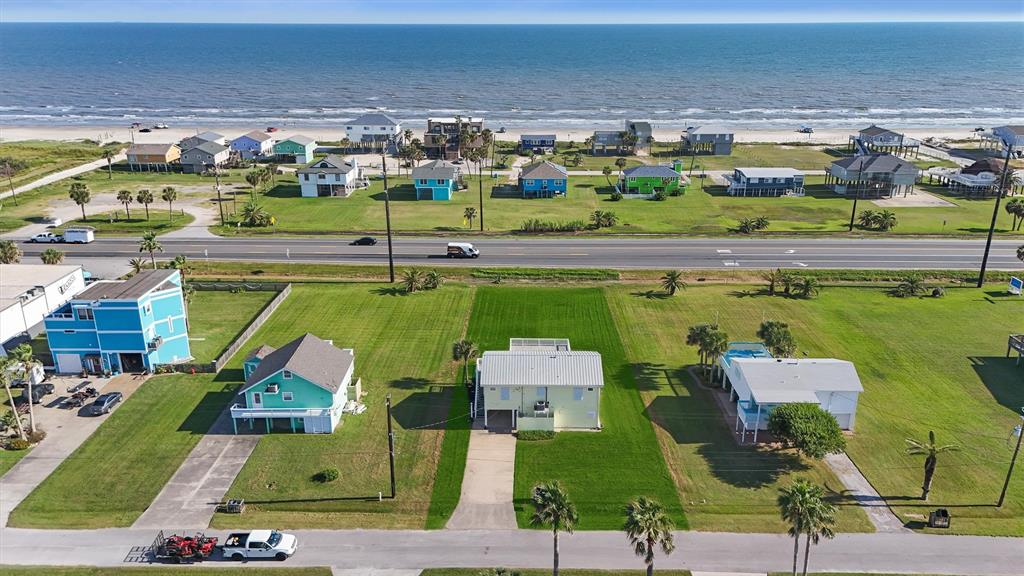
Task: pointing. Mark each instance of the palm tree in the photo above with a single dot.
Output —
(150, 244)
(607, 171)
(407, 134)
(696, 335)
(125, 197)
(412, 280)
(867, 218)
(254, 215)
(169, 195)
(777, 338)
(464, 351)
(620, 163)
(9, 252)
(552, 508)
(673, 281)
(772, 277)
(79, 192)
(886, 220)
(137, 264)
(433, 280)
(795, 502)
(820, 523)
(469, 214)
(911, 286)
(608, 219)
(109, 155)
(713, 344)
(930, 450)
(183, 266)
(23, 354)
(6, 364)
(441, 141)
(253, 178)
(51, 256)
(647, 527)
(1014, 208)
(807, 287)
(1020, 252)
(144, 197)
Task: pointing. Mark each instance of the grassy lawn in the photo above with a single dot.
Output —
(162, 570)
(751, 155)
(8, 458)
(217, 317)
(602, 471)
(545, 572)
(403, 347)
(452, 463)
(116, 224)
(915, 379)
(49, 156)
(141, 445)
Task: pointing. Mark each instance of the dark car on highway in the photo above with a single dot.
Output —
(364, 241)
(105, 403)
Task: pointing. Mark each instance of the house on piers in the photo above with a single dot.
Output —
(875, 139)
(871, 176)
(758, 382)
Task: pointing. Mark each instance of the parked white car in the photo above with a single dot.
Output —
(52, 221)
(269, 544)
(46, 238)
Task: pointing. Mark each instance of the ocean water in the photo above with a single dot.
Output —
(745, 76)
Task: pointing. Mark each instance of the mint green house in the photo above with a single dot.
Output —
(649, 180)
(303, 386)
(298, 149)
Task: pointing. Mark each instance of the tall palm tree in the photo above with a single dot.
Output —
(648, 527)
(150, 244)
(696, 335)
(620, 163)
(930, 450)
(441, 141)
(252, 178)
(144, 197)
(125, 197)
(80, 194)
(1014, 208)
(6, 364)
(553, 509)
(469, 214)
(137, 264)
(673, 281)
(23, 354)
(109, 155)
(51, 256)
(407, 135)
(9, 252)
(607, 171)
(169, 195)
(713, 344)
(464, 351)
(183, 266)
(795, 502)
(820, 523)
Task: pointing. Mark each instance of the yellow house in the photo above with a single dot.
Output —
(539, 384)
(153, 156)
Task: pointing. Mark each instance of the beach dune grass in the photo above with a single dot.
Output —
(45, 157)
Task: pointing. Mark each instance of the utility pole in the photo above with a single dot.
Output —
(220, 202)
(995, 213)
(1009, 473)
(853, 213)
(391, 447)
(480, 183)
(391, 262)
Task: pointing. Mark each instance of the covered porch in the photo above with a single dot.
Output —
(304, 420)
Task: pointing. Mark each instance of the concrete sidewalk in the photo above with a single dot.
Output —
(864, 493)
(486, 499)
(73, 171)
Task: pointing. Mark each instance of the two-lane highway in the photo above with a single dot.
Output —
(584, 252)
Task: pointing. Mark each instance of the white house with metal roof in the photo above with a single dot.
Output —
(539, 384)
(374, 130)
(331, 176)
(28, 292)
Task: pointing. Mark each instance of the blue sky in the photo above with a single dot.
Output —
(509, 11)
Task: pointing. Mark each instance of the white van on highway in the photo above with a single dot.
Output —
(462, 250)
(79, 235)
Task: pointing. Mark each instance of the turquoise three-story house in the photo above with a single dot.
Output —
(129, 325)
(302, 386)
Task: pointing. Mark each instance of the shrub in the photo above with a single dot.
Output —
(535, 225)
(535, 435)
(17, 444)
(327, 475)
(676, 192)
(659, 196)
(616, 196)
(938, 292)
(37, 436)
(808, 428)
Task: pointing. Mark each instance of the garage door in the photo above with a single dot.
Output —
(69, 363)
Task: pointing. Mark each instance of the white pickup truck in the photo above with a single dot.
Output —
(259, 544)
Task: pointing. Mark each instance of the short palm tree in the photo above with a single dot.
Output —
(673, 281)
(125, 197)
(150, 244)
(930, 450)
(51, 256)
(886, 220)
(9, 252)
(773, 278)
(169, 195)
(433, 280)
(553, 509)
(807, 287)
(6, 365)
(412, 280)
(23, 354)
(254, 215)
(867, 218)
(80, 194)
(464, 351)
(137, 264)
(911, 286)
(144, 197)
(253, 179)
(469, 214)
(648, 527)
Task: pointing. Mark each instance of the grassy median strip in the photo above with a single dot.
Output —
(163, 571)
(602, 471)
(546, 572)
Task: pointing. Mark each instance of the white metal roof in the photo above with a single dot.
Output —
(782, 380)
(541, 368)
(769, 172)
(16, 279)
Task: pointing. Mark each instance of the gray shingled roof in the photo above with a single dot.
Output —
(708, 130)
(993, 165)
(210, 148)
(436, 170)
(209, 136)
(541, 368)
(658, 171)
(130, 289)
(544, 171)
(314, 359)
(257, 135)
(374, 119)
(261, 352)
(331, 164)
(1018, 130)
(876, 163)
(875, 130)
(299, 139)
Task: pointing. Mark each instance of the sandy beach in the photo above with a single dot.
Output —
(334, 133)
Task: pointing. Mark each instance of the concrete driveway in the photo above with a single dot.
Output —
(486, 499)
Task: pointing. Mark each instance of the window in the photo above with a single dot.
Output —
(506, 393)
(170, 325)
(305, 177)
(84, 313)
(542, 391)
(366, 127)
(287, 375)
(441, 182)
(348, 127)
(147, 309)
(423, 182)
(69, 331)
(559, 182)
(577, 394)
(529, 182)
(287, 396)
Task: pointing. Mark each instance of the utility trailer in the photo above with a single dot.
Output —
(187, 549)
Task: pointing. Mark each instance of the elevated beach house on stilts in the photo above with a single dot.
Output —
(608, 143)
(331, 176)
(539, 384)
(303, 386)
(537, 143)
(374, 130)
(765, 182)
(153, 157)
(713, 140)
(1002, 136)
(252, 145)
(875, 139)
(543, 180)
(642, 134)
(202, 138)
(298, 149)
(451, 129)
(204, 156)
(871, 176)
(436, 180)
(757, 383)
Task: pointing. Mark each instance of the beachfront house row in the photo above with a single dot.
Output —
(202, 138)
(374, 130)
(642, 132)
(543, 180)
(650, 180)
(331, 176)
(119, 326)
(538, 143)
(155, 157)
(765, 182)
(436, 180)
(707, 140)
(539, 384)
(757, 383)
(871, 176)
(296, 149)
(205, 156)
(451, 129)
(303, 386)
(875, 139)
(253, 145)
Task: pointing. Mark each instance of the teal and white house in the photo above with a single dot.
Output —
(129, 325)
(436, 180)
(757, 383)
(304, 386)
(299, 149)
(539, 384)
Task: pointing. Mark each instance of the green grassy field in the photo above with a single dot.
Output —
(8, 458)
(545, 572)
(403, 347)
(926, 364)
(216, 318)
(117, 224)
(162, 570)
(141, 445)
(49, 156)
(451, 463)
(601, 471)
